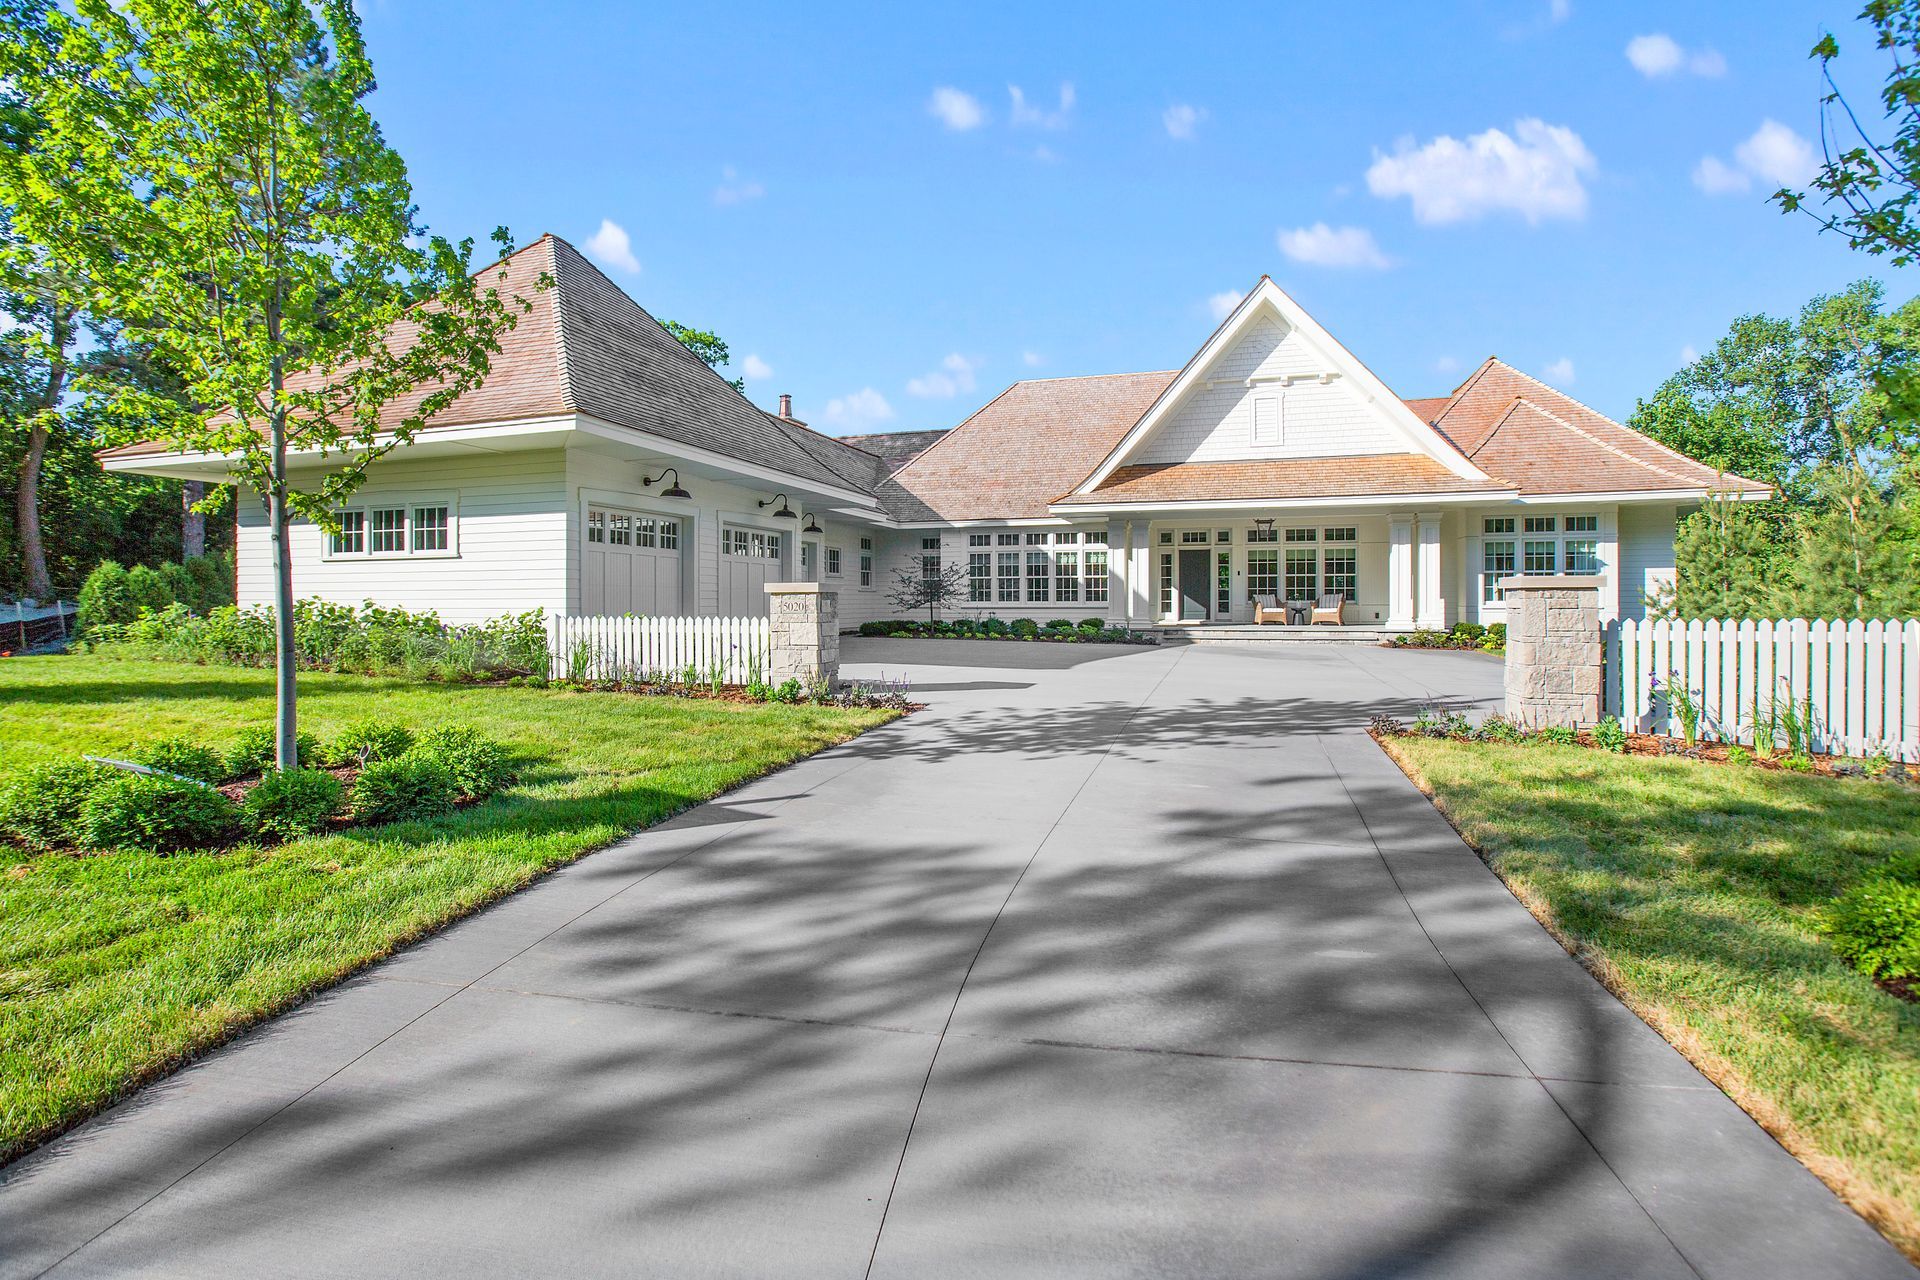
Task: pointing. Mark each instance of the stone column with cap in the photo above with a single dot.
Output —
(1554, 650)
(805, 625)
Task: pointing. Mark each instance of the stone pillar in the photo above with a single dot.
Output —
(805, 620)
(1431, 611)
(1399, 571)
(1553, 649)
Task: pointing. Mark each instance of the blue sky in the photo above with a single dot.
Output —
(896, 213)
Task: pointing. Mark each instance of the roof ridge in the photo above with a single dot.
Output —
(564, 365)
(839, 440)
(1081, 377)
(1461, 390)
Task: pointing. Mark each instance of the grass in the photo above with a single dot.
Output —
(117, 968)
(1695, 891)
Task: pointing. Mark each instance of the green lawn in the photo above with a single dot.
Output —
(1694, 890)
(116, 968)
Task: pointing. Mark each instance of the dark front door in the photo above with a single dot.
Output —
(1193, 585)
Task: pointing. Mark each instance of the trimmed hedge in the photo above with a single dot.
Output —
(159, 815)
(1875, 927)
(292, 802)
(408, 789)
(41, 807)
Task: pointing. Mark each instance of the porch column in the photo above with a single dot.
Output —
(1432, 610)
(1399, 571)
(1119, 586)
(1139, 574)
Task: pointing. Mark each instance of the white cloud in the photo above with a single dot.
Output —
(1181, 119)
(1560, 371)
(1659, 54)
(1718, 178)
(1777, 154)
(1024, 113)
(954, 375)
(733, 191)
(1221, 304)
(1688, 355)
(863, 408)
(1447, 364)
(957, 110)
(1774, 154)
(1535, 172)
(1032, 359)
(1559, 10)
(755, 369)
(1325, 246)
(1045, 154)
(613, 246)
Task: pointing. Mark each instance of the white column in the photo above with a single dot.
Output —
(1140, 574)
(1399, 571)
(1432, 609)
(1119, 587)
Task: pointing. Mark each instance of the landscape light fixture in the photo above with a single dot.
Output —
(785, 512)
(673, 491)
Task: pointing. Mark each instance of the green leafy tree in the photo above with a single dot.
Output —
(708, 345)
(229, 199)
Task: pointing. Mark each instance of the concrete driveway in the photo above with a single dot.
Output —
(1113, 962)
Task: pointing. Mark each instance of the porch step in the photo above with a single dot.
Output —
(1277, 634)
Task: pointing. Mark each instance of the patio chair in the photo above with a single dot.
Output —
(1268, 609)
(1329, 609)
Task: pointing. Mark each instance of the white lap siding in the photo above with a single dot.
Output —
(1646, 555)
(509, 537)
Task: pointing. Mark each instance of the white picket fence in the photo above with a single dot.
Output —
(674, 650)
(1859, 680)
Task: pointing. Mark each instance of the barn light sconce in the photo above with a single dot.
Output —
(1264, 524)
(674, 491)
(785, 512)
(813, 524)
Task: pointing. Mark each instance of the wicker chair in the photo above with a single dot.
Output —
(1329, 610)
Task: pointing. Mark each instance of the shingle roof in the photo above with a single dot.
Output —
(897, 448)
(1032, 443)
(1278, 479)
(586, 347)
(1521, 430)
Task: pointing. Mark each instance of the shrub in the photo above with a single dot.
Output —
(185, 757)
(1875, 926)
(1497, 728)
(788, 690)
(156, 815)
(1093, 626)
(873, 628)
(1025, 628)
(412, 788)
(993, 627)
(367, 740)
(478, 765)
(104, 599)
(147, 589)
(41, 807)
(1496, 637)
(1059, 624)
(252, 751)
(1608, 735)
(1468, 633)
(1436, 722)
(292, 802)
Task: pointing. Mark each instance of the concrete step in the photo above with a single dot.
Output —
(1277, 634)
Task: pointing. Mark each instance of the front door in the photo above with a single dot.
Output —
(1194, 581)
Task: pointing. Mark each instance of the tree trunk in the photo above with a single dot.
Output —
(33, 552)
(193, 525)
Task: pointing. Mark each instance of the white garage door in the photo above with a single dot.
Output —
(749, 559)
(630, 563)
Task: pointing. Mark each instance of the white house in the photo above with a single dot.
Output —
(602, 468)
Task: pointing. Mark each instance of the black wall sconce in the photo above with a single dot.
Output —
(785, 512)
(813, 523)
(674, 491)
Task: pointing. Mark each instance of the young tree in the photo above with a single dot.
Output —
(1729, 554)
(928, 586)
(708, 345)
(232, 203)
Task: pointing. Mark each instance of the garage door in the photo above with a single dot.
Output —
(630, 563)
(749, 559)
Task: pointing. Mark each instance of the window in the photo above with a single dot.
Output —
(1303, 583)
(806, 560)
(1166, 579)
(1263, 533)
(1263, 574)
(1497, 563)
(1541, 556)
(866, 562)
(979, 539)
(620, 527)
(644, 530)
(1166, 537)
(1039, 573)
(833, 562)
(1498, 524)
(929, 558)
(1036, 539)
(1540, 524)
(352, 538)
(669, 535)
(1266, 419)
(1096, 576)
(930, 544)
(1009, 539)
(1342, 535)
(1582, 555)
(1066, 576)
(389, 530)
(1303, 535)
(1191, 537)
(1340, 567)
(1583, 524)
(429, 528)
(1223, 535)
(979, 575)
(1223, 584)
(1065, 539)
(1097, 536)
(1009, 580)
(596, 526)
(755, 544)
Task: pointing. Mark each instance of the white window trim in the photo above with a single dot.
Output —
(368, 504)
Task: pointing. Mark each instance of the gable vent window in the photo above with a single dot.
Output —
(1266, 420)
